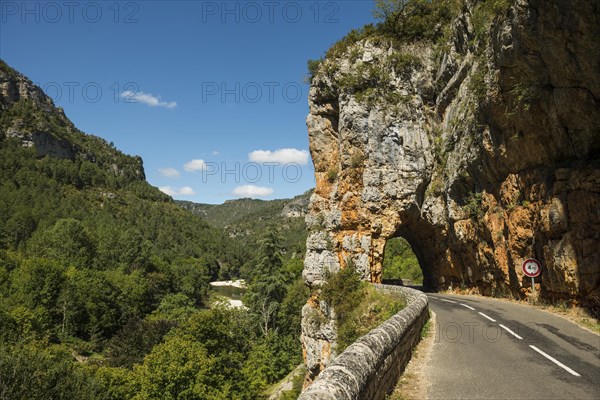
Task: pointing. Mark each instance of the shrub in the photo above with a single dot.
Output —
(357, 160)
(313, 68)
(413, 20)
(483, 15)
(355, 35)
(474, 205)
(358, 306)
(402, 62)
(332, 175)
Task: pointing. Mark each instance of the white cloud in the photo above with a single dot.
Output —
(184, 191)
(169, 172)
(146, 98)
(282, 156)
(216, 152)
(195, 165)
(252, 191)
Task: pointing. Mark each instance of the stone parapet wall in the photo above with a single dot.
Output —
(370, 367)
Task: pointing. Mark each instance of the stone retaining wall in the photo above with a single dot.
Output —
(370, 367)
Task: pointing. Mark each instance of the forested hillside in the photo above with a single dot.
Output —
(104, 280)
(248, 220)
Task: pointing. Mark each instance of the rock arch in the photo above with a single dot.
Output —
(475, 189)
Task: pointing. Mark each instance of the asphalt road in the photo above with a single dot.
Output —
(490, 349)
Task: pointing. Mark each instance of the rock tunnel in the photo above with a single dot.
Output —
(474, 189)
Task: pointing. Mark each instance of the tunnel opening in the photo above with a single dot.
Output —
(401, 264)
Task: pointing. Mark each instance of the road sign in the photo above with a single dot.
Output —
(532, 267)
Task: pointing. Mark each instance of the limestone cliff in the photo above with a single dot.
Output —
(482, 151)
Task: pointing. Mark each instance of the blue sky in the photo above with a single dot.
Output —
(211, 94)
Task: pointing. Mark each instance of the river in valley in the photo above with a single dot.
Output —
(234, 291)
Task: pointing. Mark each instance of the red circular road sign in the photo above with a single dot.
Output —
(532, 267)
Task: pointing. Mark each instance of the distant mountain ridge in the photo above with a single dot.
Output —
(248, 219)
(232, 211)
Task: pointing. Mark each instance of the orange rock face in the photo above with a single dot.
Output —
(480, 158)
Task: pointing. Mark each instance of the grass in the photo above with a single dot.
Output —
(358, 306)
(436, 186)
(295, 379)
(357, 160)
(425, 330)
(375, 308)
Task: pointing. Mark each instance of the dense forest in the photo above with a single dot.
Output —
(104, 280)
(248, 220)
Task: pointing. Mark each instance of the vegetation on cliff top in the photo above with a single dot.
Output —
(409, 21)
(401, 21)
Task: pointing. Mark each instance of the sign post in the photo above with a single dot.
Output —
(532, 268)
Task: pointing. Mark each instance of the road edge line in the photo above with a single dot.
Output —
(511, 332)
(555, 361)
(490, 318)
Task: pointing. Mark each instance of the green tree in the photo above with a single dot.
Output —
(8, 327)
(179, 368)
(228, 335)
(39, 371)
(18, 228)
(67, 241)
(415, 19)
(399, 261)
(135, 340)
(174, 308)
(93, 308)
(271, 358)
(267, 288)
(290, 310)
(191, 278)
(386, 10)
(115, 383)
(37, 283)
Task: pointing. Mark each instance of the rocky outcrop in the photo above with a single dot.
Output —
(45, 144)
(297, 207)
(15, 86)
(481, 153)
(29, 115)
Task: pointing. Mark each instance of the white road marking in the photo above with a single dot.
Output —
(555, 361)
(491, 319)
(511, 332)
(549, 357)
